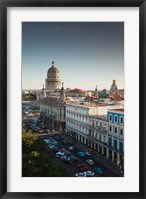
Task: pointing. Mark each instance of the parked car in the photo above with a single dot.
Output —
(98, 170)
(87, 153)
(71, 148)
(74, 159)
(51, 146)
(80, 175)
(89, 161)
(89, 173)
(79, 165)
(59, 146)
(63, 157)
(46, 141)
(62, 150)
(67, 153)
(85, 168)
(64, 141)
(58, 154)
(81, 154)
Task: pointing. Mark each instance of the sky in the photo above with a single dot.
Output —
(86, 53)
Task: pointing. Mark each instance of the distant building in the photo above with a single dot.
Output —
(76, 93)
(96, 93)
(113, 89)
(53, 110)
(117, 97)
(115, 93)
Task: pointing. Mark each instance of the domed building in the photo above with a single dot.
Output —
(53, 80)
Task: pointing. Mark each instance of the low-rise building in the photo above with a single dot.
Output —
(116, 136)
(76, 93)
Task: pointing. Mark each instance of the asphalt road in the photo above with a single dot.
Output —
(73, 166)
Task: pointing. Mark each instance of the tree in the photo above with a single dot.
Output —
(37, 161)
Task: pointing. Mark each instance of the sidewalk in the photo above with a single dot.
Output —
(102, 160)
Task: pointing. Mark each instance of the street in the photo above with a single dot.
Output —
(74, 160)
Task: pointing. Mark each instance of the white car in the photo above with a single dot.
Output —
(87, 153)
(51, 146)
(80, 175)
(58, 154)
(71, 148)
(89, 161)
(89, 173)
(46, 141)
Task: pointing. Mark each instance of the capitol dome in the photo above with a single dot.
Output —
(53, 80)
(53, 69)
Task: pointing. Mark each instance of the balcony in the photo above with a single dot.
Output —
(76, 131)
(101, 130)
(78, 121)
(90, 137)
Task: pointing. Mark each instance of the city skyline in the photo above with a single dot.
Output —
(86, 53)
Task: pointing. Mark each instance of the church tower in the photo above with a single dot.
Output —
(62, 93)
(113, 89)
(96, 92)
(43, 92)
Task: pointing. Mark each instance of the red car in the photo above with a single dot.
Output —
(79, 165)
(85, 168)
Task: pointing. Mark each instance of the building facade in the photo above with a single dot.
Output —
(52, 113)
(91, 126)
(116, 136)
(53, 110)
(77, 119)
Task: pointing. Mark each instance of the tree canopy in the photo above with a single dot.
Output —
(37, 161)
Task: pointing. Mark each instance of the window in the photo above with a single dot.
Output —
(100, 137)
(110, 128)
(121, 132)
(116, 119)
(121, 120)
(110, 117)
(121, 147)
(115, 129)
(110, 141)
(115, 144)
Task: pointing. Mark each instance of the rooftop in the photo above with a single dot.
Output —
(117, 109)
(76, 90)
